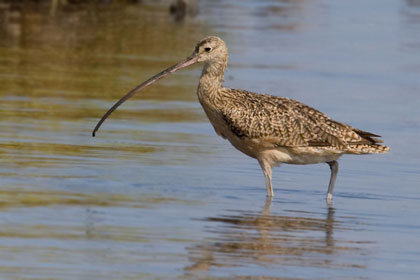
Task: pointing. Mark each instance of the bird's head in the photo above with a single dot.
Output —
(210, 49)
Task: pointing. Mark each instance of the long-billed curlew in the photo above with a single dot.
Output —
(271, 129)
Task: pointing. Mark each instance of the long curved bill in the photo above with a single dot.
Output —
(186, 62)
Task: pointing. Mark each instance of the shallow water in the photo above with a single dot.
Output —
(157, 195)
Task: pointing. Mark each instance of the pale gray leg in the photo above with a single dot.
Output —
(266, 168)
(334, 170)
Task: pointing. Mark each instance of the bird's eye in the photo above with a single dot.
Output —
(207, 49)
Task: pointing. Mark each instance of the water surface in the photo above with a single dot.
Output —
(157, 195)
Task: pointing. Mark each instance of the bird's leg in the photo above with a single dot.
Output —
(334, 170)
(266, 168)
(268, 183)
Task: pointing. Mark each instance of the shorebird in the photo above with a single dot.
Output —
(269, 128)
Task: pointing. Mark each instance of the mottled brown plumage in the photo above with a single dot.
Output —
(271, 129)
(285, 122)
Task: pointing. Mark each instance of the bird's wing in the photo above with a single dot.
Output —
(286, 122)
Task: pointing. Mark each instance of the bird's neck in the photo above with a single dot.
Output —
(211, 79)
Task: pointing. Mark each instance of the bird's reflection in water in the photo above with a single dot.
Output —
(263, 238)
